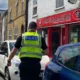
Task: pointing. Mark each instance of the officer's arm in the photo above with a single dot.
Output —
(44, 47)
(13, 52)
(45, 52)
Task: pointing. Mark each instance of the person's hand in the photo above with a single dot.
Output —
(8, 63)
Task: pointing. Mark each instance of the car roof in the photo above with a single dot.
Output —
(67, 45)
(9, 41)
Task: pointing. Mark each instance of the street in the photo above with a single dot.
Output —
(1, 77)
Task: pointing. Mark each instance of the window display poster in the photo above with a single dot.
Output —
(75, 40)
(74, 37)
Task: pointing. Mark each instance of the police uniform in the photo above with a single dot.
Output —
(30, 45)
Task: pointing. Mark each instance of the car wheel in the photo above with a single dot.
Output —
(7, 75)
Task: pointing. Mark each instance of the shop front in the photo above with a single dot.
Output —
(60, 29)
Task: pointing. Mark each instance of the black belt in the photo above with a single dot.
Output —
(26, 59)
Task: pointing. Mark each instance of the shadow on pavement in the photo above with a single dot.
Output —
(1, 75)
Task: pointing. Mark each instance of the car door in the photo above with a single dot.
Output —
(69, 59)
(2, 56)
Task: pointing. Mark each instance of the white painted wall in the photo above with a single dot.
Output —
(30, 12)
(48, 8)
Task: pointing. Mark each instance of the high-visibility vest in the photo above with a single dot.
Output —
(31, 45)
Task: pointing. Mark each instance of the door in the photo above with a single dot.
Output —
(4, 47)
(69, 59)
(55, 40)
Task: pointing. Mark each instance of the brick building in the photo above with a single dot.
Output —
(0, 28)
(16, 18)
(4, 25)
(1, 14)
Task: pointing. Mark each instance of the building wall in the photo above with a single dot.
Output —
(3, 21)
(4, 25)
(0, 28)
(16, 21)
(30, 12)
(48, 7)
(2, 12)
(1, 15)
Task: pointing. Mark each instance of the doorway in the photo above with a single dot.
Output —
(55, 39)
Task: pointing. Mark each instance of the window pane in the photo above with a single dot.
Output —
(74, 33)
(70, 57)
(22, 6)
(34, 10)
(10, 34)
(10, 14)
(11, 45)
(15, 33)
(15, 36)
(76, 53)
(34, 2)
(10, 37)
(59, 3)
(16, 9)
(65, 54)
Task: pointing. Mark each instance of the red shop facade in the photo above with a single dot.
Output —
(60, 29)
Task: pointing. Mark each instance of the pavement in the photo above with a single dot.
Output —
(1, 77)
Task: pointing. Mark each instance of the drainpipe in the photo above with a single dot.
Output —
(26, 15)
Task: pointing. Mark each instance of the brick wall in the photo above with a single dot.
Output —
(18, 20)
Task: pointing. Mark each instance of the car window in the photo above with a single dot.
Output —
(4, 47)
(11, 45)
(70, 57)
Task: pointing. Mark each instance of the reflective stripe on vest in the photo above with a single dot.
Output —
(31, 45)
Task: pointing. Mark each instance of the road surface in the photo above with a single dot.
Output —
(1, 77)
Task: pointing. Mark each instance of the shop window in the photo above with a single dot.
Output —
(44, 34)
(10, 34)
(70, 57)
(74, 34)
(16, 33)
(59, 3)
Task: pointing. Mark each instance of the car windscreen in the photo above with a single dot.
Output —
(11, 45)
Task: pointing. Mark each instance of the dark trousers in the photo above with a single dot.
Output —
(29, 70)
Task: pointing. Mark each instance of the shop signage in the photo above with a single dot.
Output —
(62, 18)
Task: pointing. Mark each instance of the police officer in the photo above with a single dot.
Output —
(31, 46)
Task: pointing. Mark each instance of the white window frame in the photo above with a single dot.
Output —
(10, 34)
(15, 33)
(60, 7)
(34, 6)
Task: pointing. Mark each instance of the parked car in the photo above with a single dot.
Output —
(65, 64)
(12, 72)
